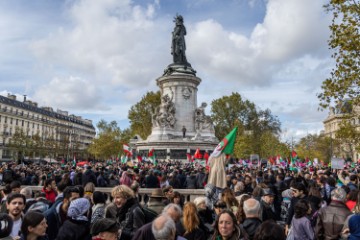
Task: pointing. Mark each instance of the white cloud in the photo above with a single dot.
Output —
(69, 93)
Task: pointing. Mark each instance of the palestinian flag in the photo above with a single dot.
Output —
(152, 156)
(74, 161)
(226, 145)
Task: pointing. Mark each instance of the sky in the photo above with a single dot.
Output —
(97, 58)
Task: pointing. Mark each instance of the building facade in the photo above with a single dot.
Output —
(59, 133)
(332, 124)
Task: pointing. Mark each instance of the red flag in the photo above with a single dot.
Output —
(139, 158)
(293, 154)
(188, 156)
(206, 156)
(197, 154)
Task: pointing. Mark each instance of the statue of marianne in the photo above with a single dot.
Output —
(178, 45)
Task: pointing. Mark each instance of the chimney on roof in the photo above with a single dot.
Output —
(24, 98)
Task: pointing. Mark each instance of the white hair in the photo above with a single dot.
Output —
(173, 206)
(251, 210)
(199, 200)
(163, 227)
(27, 192)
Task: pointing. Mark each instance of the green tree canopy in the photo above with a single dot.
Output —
(140, 114)
(255, 127)
(315, 146)
(344, 81)
(109, 141)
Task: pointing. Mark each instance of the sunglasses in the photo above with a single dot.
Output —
(220, 206)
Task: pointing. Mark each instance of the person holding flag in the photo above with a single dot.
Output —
(218, 159)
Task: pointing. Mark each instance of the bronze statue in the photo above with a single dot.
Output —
(178, 45)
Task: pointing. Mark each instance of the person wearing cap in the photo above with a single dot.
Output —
(156, 200)
(267, 207)
(105, 229)
(331, 219)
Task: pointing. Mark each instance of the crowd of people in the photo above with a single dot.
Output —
(260, 203)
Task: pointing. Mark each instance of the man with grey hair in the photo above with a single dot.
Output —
(252, 213)
(331, 219)
(145, 232)
(163, 228)
(28, 193)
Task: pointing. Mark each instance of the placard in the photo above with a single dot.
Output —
(337, 163)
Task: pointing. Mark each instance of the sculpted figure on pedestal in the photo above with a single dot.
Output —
(164, 115)
(202, 121)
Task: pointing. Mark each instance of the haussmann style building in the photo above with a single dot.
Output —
(62, 134)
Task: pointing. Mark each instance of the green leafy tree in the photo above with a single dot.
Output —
(315, 146)
(231, 111)
(347, 139)
(20, 144)
(109, 141)
(140, 115)
(344, 81)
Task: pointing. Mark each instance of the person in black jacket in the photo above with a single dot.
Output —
(77, 227)
(267, 200)
(252, 220)
(129, 213)
(151, 181)
(89, 176)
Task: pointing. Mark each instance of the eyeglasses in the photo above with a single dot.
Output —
(294, 190)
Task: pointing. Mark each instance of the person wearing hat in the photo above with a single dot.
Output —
(267, 208)
(331, 219)
(105, 229)
(156, 200)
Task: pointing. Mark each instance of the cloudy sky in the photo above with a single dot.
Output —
(96, 58)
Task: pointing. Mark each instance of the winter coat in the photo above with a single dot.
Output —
(217, 175)
(144, 233)
(74, 230)
(302, 229)
(131, 218)
(89, 176)
(190, 182)
(196, 234)
(331, 220)
(50, 195)
(151, 181)
(53, 219)
(354, 227)
(156, 206)
(267, 212)
(251, 225)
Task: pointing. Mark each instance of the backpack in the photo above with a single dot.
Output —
(149, 214)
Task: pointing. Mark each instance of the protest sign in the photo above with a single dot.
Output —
(337, 163)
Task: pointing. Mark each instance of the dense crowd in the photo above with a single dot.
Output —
(269, 202)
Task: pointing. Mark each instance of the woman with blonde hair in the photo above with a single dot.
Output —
(128, 211)
(189, 225)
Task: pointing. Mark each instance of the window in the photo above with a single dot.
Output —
(22, 123)
(33, 125)
(5, 119)
(10, 120)
(38, 126)
(17, 122)
(28, 124)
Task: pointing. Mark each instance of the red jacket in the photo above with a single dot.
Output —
(50, 195)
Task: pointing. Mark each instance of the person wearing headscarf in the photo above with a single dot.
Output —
(77, 227)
